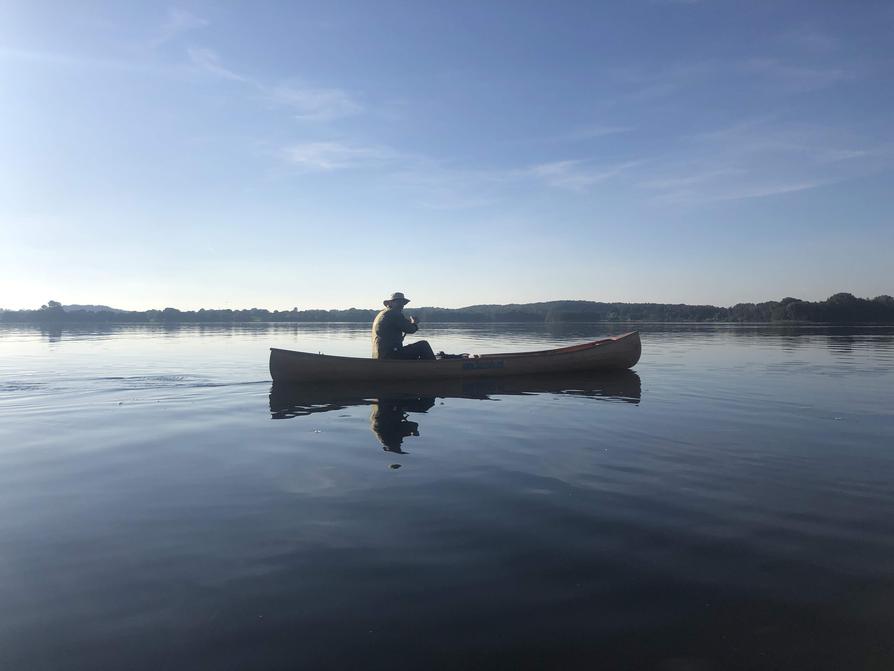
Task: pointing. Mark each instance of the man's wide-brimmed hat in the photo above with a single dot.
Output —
(396, 297)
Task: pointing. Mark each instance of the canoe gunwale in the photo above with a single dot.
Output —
(571, 349)
(583, 347)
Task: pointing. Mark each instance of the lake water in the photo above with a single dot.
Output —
(728, 505)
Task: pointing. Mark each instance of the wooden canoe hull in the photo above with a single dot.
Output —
(618, 353)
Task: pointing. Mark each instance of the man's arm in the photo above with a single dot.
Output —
(409, 325)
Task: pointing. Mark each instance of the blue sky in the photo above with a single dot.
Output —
(288, 154)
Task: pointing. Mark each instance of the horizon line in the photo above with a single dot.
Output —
(436, 307)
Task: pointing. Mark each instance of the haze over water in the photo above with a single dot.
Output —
(727, 505)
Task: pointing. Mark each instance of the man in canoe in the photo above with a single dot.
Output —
(388, 331)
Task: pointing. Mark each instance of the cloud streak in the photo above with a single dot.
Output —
(758, 159)
(178, 22)
(308, 103)
(794, 78)
(315, 104)
(207, 62)
(332, 156)
(577, 175)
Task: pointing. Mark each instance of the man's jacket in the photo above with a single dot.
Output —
(389, 328)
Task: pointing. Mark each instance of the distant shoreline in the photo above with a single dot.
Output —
(87, 323)
(841, 308)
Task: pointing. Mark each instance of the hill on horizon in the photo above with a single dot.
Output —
(90, 308)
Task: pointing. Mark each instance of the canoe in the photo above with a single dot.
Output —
(617, 353)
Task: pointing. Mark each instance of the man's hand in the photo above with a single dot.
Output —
(413, 321)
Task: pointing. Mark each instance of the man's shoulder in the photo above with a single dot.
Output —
(386, 317)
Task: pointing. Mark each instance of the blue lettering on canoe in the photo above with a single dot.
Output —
(486, 363)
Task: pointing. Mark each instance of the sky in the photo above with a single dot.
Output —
(325, 154)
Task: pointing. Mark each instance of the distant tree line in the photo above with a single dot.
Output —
(840, 308)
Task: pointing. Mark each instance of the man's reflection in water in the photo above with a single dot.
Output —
(388, 420)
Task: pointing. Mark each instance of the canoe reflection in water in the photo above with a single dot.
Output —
(390, 403)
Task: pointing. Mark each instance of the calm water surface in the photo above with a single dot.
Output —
(728, 505)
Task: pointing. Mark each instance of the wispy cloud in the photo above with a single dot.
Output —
(315, 104)
(66, 60)
(809, 39)
(714, 185)
(794, 78)
(774, 74)
(689, 179)
(636, 85)
(331, 156)
(580, 134)
(744, 192)
(799, 142)
(206, 61)
(177, 22)
(584, 133)
(577, 175)
(760, 158)
(440, 185)
(308, 103)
